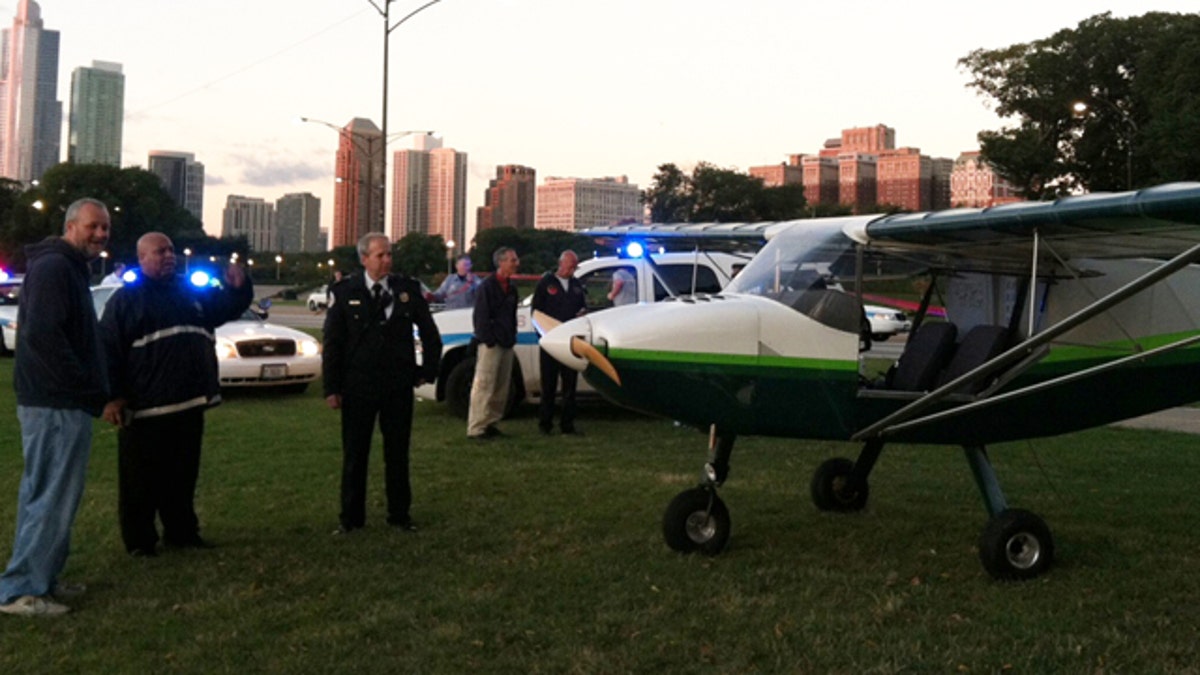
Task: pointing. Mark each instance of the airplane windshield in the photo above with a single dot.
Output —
(813, 257)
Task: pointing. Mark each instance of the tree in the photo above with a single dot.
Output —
(713, 194)
(419, 254)
(1104, 106)
(538, 249)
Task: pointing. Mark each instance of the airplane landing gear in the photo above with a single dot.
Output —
(841, 485)
(1016, 545)
(696, 520)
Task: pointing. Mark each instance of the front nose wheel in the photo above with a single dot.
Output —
(696, 520)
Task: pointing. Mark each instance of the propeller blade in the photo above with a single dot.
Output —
(584, 350)
(544, 323)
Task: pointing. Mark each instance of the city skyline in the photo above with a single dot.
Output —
(602, 91)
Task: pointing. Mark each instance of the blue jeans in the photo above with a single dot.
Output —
(56, 443)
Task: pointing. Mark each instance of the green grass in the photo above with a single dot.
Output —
(545, 555)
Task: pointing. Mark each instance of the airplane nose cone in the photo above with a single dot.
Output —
(557, 342)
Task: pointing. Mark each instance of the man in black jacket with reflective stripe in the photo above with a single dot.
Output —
(369, 369)
(159, 343)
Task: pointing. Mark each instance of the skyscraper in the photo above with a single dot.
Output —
(97, 114)
(358, 192)
(182, 176)
(578, 203)
(30, 112)
(429, 190)
(252, 218)
(509, 200)
(298, 223)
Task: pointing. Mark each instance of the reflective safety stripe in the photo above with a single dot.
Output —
(173, 330)
(177, 407)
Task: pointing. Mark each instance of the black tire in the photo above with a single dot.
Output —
(1016, 545)
(458, 387)
(696, 521)
(831, 490)
(880, 337)
(313, 306)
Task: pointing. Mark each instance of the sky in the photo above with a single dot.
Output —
(570, 88)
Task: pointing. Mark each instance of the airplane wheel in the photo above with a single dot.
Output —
(830, 487)
(1016, 545)
(691, 525)
(458, 387)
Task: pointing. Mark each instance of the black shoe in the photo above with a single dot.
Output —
(492, 431)
(143, 552)
(572, 431)
(546, 430)
(343, 529)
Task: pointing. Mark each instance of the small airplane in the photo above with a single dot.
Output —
(1059, 316)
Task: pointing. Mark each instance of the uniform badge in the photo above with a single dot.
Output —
(552, 290)
(403, 297)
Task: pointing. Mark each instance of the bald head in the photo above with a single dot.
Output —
(156, 255)
(567, 262)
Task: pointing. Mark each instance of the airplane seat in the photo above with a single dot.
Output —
(832, 308)
(981, 344)
(926, 354)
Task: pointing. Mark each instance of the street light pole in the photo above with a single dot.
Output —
(385, 11)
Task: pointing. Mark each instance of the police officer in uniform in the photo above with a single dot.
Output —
(560, 295)
(369, 370)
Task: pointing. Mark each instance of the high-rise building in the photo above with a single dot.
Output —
(97, 114)
(30, 112)
(939, 183)
(509, 200)
(974, 183)
(252, 218)
(577, 203)
(358, 192)
(182, 176)
(856, 180)
(777, 175)
(903, 179)
(821, 184)
(429, 190)
(298, 223)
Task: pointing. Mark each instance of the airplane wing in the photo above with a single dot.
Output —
(747, 233)
(1156, 222)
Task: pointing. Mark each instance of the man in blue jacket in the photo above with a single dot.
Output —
(162, 365)
(60, 383)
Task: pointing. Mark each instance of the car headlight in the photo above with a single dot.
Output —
(309, 347)
(226, 349)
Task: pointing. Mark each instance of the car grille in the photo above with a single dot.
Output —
(266, 348)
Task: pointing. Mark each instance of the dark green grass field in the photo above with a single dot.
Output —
(545, 555)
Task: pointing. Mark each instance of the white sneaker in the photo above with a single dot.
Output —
(32, 605)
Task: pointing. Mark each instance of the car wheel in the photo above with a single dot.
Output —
(313, 306)
(458, 387)
(880, 337)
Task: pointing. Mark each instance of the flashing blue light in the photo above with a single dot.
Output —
(4, 275)
(635, 249)
(129, 276)
(200, 278)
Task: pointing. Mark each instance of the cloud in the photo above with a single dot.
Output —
(275, 172)
(213, 179)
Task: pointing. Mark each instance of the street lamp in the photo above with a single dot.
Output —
(450, 256)
(103, 262)
(278, 262)
(387, 32)
(1081, 109)
(187, 261)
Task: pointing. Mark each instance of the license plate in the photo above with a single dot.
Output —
(274, 371)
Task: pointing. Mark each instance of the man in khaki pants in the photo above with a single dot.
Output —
(496, 333)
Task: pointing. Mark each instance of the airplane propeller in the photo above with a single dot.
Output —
(577, 346)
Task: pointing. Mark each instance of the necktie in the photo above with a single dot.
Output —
(376, 290)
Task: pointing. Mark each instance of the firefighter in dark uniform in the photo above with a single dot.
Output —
(560, 295)
(369, 370)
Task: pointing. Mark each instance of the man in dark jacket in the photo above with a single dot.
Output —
(561, 296)
(495, 319)
(60, 383)
(369, 368)
(162, 365)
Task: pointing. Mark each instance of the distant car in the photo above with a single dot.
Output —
(254, 353)
(886, 322)
(10, 288)
(319, 299)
